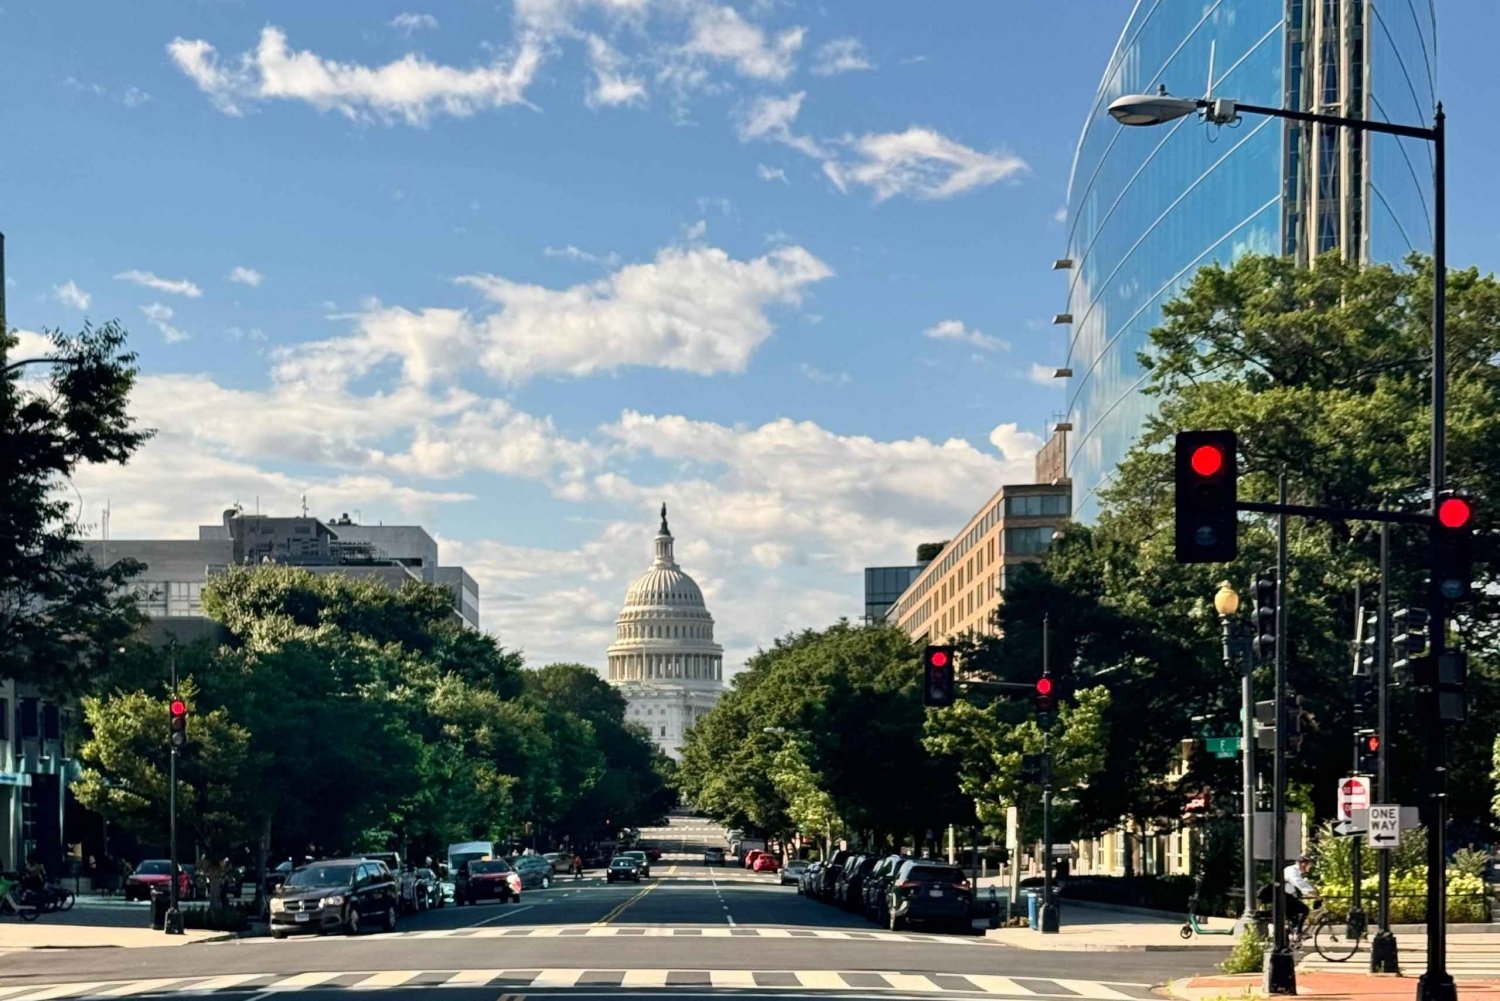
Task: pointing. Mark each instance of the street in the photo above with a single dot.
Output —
(689, 927)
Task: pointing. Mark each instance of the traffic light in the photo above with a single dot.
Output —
(1369, 640)
(1035, 770)
(1046, 702)
(1452, 686)
(937, 681)
(1265, 724)
(1367, 746)
(1452, 559)
(1206, 476)
(177, 714)
(1264, 643)
(1294, 713)
(1366, 691)
(1409, 645)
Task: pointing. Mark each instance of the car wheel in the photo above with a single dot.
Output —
(896, 922)
(546, 882)
(390, 918)
(277, 934)
(351, 920)
(515, 898)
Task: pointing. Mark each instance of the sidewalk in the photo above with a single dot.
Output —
(95, 922)
(1087, 929)
(1331, 986)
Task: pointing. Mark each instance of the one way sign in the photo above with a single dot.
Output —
(1384, 826)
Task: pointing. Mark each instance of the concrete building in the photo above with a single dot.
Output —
(664, 659)
(959, 591)
(1147, 207)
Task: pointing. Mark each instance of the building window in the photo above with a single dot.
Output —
(26, 721)
(51, 724)
(1027, 541)
(1037, 506)
(663, 731)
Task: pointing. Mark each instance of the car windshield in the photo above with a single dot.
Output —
(486, 867)
(321, 875)
(623, 863)
(634, 854)
(798, 863)
(154, 868)
(935, 874)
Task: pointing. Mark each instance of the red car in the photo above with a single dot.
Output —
(751, 856)
(153, 873)
(765, 863)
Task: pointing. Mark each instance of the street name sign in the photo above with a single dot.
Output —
(1384, 829)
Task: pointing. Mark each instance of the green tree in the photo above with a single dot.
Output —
(809, 805)
(59, 611)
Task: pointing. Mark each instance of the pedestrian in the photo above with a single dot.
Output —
(577, 867)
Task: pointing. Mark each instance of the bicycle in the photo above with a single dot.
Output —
(1334, 940)
(25, 909)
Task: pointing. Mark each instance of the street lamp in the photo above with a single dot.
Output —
(1436, 983)
(1227, 603)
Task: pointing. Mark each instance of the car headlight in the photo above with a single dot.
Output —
(337, 900)
(277, 905)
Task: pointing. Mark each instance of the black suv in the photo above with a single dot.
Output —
(876, 885)
(335, 895)
(848, 886)
(929, 891)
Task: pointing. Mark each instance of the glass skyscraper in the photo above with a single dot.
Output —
(1147, 207)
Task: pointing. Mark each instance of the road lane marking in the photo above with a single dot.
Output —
(470, 978)
(231, 980)
(820, 979)
(1088, 988)
(387, 978)
(911, 982)
(500, 917)
(557, 978)
(301, 980)
(612, 915)
(731, 978)
(1001, 985)
(138, 987)
(58, 991)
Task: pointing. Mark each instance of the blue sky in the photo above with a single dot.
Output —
(520, 271)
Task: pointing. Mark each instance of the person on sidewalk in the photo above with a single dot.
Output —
(1296, 885)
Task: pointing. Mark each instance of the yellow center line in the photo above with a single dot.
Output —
(621, 909)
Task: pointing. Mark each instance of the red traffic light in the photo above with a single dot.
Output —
(1454, 512)
(179, 707)
(1372, 742)
(1207, 460)
(1044, 686)
(938, 658)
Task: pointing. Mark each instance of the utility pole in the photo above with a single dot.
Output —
(1281, 964)
(1383, 954)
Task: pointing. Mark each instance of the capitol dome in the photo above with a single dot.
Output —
(664, 634)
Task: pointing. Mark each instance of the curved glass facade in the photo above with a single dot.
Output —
(1148, 206)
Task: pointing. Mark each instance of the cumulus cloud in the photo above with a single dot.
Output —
(955, 330)
(407, 22)
(245, 276)
(572, 253)
(1014, 444)
(919, 163)
(172, 286)
(771, 118)
(69, 294)
(1043, 375)
(721, 33)
(411, 89)
(613, 86)
(160, 315)
(842, 55)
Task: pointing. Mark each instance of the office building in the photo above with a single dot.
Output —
(1147, 207)
(884, 585)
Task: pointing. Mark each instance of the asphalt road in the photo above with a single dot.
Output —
(687, 927)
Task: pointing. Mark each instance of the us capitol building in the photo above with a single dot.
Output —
(664, 659)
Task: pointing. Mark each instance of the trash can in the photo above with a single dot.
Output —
(160, 901)
(1034, 910)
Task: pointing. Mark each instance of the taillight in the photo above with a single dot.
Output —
(962, 885)
(910, 884)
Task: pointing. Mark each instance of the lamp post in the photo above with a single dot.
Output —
(1436, 983)
(1227, 603)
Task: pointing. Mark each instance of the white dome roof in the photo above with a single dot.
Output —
(664, 585)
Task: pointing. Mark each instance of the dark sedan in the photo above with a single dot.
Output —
(486, 879)
(623, 868)
(336, 895)
(535, 872)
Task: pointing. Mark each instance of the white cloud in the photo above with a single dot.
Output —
(919, 163)
(572, 253)
(172, 286)
(407, 22)
(771, 173)
(160, 315)
(612, 85)
(833, 378)
(245, 276)
(69, 294)
(1043, 375)
(410, 89)
(954, 330)
(1014, 444)
(772, 118)
(1061, 215)
(130, 97)
(720, 33)
(842, 55)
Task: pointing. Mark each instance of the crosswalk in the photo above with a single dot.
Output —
(627, 931)
(857, 982)
(1468, 956)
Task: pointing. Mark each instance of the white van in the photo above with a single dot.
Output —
(467, 851)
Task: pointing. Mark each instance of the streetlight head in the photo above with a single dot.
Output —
(1150, 109)
(1226, 599)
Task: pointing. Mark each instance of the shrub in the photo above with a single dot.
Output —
(1249, 953)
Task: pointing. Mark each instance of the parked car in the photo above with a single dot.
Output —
(621, 868)
(823, 890)
(876, 884)
(849, 892)
(809, 878)
(429, 889)
(561, 862)
(641, 858)
(405, 878)
(765, 862)
(486, 879)
(336, 895)
(156, 872)
(931, 893)
(751, 856)
(793, 870)
(535, 872)
(713, 856)
(278, 875)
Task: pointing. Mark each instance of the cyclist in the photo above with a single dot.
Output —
(1296, 885)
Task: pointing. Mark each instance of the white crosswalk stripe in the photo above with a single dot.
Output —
(766, 980)
(631, 931)
(1469, 956)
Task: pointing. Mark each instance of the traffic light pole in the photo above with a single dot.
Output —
(1383, 953)
(1048, 919)
(1281, 964)
(172, 925)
